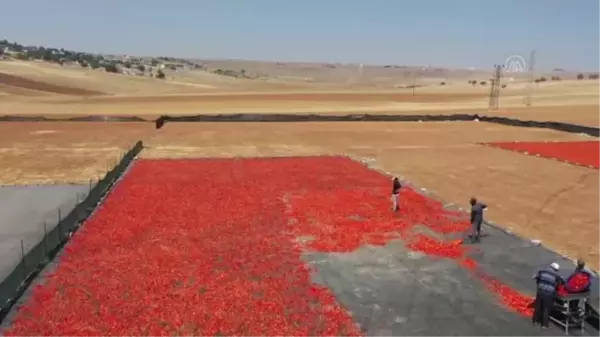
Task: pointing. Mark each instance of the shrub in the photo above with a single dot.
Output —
(593, 76)
(543, 79)
(141, 68)
(111, 68)
(503, 86)
(443, 83)
(580, 76)
(483, 82)
(160, 74)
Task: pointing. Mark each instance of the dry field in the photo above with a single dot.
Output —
(47, 153)
(37, 88)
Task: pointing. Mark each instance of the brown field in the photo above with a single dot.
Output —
(532, 196)
(42, 153)
(38, 88)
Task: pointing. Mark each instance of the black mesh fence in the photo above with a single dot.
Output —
(33, 260)
(559, 126)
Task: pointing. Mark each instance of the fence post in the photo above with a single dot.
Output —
(45, 240)
(23, 260)
(60, 233)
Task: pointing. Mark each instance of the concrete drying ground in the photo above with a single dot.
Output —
(393, 291)
(23, 210)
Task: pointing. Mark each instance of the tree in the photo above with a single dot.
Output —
(111, 68)
(160, 74)
(580, 76)
(543, 79)
(443, 83)
(593, 76)
(483, 82)
(141, 68)
(503, 86)
(127, 65)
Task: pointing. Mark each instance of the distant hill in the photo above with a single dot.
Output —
(290, 72)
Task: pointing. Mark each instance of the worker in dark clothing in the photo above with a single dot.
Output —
(396, 186)
(548, 281)
(476, 218)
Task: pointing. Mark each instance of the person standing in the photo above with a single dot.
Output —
(548, 281)
(396, 186)
(476, 218)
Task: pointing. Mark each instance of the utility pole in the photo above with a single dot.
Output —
(531, 79)
(495, 90)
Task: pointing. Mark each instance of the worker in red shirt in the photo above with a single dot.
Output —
(578, 282)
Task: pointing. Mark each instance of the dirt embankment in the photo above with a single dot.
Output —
(12, 83)
(306, 97)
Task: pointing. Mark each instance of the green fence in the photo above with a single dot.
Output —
(33, 261)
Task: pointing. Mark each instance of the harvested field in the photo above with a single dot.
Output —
(349, 97)
(9, 81)
(48, 153)
(441, 157)
(588, 114)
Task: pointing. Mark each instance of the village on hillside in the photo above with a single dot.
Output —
(123, 64)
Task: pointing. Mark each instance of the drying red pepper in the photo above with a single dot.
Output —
(586, 153)
(214, 247)
(577, 283)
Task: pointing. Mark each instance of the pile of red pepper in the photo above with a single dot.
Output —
(577, 283)
(586, 153)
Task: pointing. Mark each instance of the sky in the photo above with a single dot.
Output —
(440, 33)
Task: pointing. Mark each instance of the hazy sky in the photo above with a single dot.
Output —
(451, 33)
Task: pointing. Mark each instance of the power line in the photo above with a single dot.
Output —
(532, 78)
(495, 89)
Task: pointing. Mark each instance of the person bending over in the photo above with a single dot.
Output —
(548, 282)
(396, 186)
(476, 218)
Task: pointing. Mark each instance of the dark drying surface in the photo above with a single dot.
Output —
(391, 290)
(23, 210)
